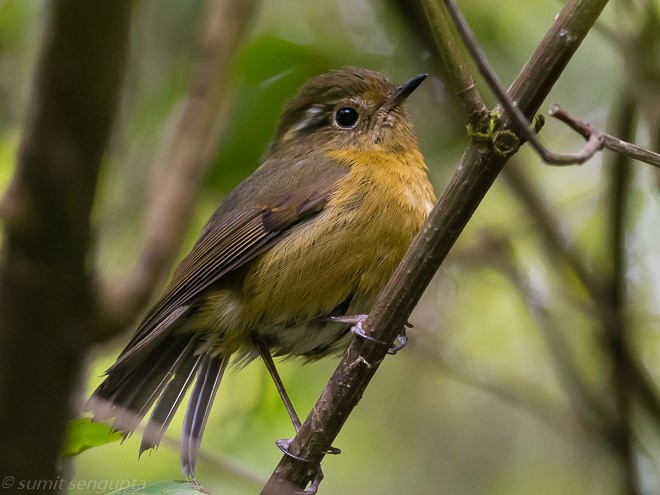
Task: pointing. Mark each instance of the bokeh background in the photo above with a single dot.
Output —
(475, 404)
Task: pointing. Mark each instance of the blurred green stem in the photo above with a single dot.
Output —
(613, 307)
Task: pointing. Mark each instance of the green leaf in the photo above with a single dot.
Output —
(83, 434)
(162, 488)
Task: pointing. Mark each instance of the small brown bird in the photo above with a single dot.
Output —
(314, 233)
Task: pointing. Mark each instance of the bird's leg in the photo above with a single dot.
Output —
(283, 444)
(358, 320)
(264, 352)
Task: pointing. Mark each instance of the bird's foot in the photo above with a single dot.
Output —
(357, 329)
(283, 444)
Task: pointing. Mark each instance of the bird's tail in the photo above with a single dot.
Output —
(209, 374)
(161, 377)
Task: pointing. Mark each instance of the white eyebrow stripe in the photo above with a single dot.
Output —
(309, 117)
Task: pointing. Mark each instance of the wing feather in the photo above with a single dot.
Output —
(233, 237)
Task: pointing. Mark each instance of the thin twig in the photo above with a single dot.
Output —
(603, 139)
(521, 122)
(189, 154)
(473, 178)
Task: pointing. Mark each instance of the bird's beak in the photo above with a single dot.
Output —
(404, 90)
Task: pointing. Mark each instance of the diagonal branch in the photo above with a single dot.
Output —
(189, 154)
(479, 167)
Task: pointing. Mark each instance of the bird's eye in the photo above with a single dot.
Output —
(346, 117)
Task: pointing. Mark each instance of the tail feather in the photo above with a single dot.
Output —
(168, 403)
(128, 399)
(139, 393)
(162, 376)
(141, 347)
(209, 374)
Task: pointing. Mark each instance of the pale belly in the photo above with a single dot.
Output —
(311, 341)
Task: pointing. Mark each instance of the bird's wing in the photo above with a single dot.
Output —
(232, 238)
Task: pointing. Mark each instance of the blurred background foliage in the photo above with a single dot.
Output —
(433, 420)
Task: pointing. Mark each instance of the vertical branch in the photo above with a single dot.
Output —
(45, 300)
(614, 300)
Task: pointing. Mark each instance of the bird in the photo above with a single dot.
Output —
(297, 249)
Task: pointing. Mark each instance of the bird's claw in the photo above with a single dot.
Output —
(400, 343)
(284, 443)
(358, 320)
